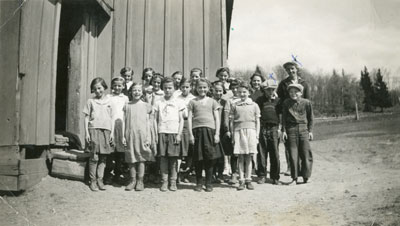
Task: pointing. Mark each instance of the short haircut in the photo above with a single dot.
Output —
(157, 76)
(147, 70)
(245, 85)
(177, 73)
(223, 69)
(126, 69)
(202, 80)
(218, 83)
(185, 80)
(234, 83)
(196, 70)
(117, 79)
(168, 80)
(97, 80)
(259, 75)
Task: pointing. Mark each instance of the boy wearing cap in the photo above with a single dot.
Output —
(292, 70)
(269, 132)
(297, 124)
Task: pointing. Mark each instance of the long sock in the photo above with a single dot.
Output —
(101, 166)
(209, 166)
(247, 167)
(140, 169)
(199, 171)
(241, 167)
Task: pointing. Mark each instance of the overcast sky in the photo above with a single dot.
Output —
(322, 34)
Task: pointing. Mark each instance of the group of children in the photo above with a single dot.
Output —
(156, 124)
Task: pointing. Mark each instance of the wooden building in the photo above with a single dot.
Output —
(52, 49)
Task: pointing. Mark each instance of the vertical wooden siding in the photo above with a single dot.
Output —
(90, 51)
(169, 35)
(37, 52)
(9, 37)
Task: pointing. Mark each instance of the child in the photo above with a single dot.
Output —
(156, 83)
(245, 126)
(98, 126)
(227, 142)
(204, 123)
(169, 115)
(147, 75)
(186, 147)
(223, 74)
(297, 124)
(195, 74)
(127, 74)
(255, 81)
(118, 101)
(137, 137)
(177, 76)
(270, 133)
(218, 91)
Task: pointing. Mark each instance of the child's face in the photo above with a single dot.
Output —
(168, 89)
(268, 92)
(235, 91)
(202, 89)
(185, 88)
(256, 81)
(291, 70)
(98, 90)
(294, 93)
(137, 92)
(128, 76)
(178, 78)
(118, 86)
(148, 75)
(243, 93)
(195, 75)
(217, 92)
(156, 84)
(223, 76)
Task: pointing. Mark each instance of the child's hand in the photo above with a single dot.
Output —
(112, 140)
(228, 134)
(284, 137)
(191, 139)
(178, 139)
(216, 138)
(87, 138)
(124, 141)
(257, 139)
(310, 136)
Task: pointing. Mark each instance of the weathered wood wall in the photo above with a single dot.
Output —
(9, 35)
(169, 35)
(37, 66)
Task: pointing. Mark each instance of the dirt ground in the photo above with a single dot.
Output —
(355, 181)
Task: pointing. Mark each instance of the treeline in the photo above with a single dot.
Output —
(338, 93)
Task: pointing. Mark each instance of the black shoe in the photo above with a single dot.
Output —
(198, 188)
(209, 188)
(306, 180)
(276, 182)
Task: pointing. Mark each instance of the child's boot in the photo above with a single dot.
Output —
(140, 184)
(199, 185)
(262, 180)
(164, 183)
(233, 180)
(101, 184)
(209, 188)
(241, 185)
(173, 187)
(249, 185)
(93, 185)
(131, 185)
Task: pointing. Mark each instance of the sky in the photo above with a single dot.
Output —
(324, 35)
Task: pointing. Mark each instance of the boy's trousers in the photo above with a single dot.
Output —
(269, 142)
(299, 149)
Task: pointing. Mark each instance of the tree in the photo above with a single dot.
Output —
(381, 97)
(366, 85)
